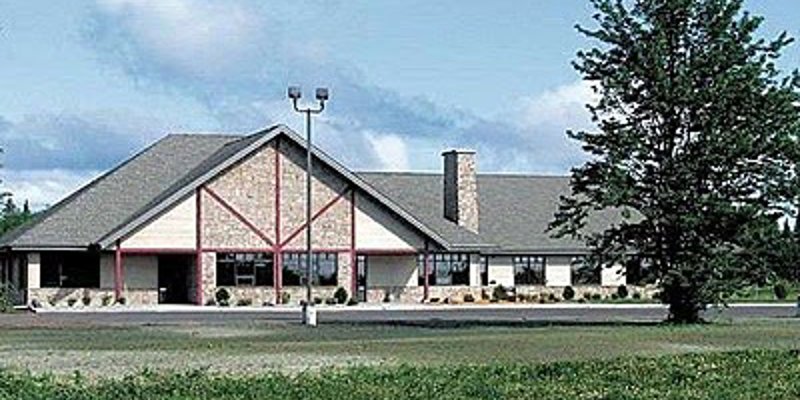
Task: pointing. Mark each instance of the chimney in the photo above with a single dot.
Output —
(461, 188)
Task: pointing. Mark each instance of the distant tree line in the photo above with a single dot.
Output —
(12, 216)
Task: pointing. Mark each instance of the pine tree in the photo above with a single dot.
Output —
(697, 139)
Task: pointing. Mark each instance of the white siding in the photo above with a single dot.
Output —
(558, 271)
(34, 270)
(377, 229)
(140, 272)
(612, 276)
(392, 271)
(174, 229)
(501, 271)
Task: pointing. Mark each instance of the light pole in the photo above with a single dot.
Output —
(309, 313)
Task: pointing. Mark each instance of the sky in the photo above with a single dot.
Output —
(85, 84)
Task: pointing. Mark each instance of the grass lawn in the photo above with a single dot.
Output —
(764, 374)
(255, 348)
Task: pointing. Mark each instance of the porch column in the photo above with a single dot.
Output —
(277, 263)
(198, 263)
(118, 278)
(34, 268)
(426, 270)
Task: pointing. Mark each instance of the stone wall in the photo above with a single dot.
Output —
(60, 297)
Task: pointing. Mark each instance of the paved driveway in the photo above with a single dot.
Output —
(527, 315)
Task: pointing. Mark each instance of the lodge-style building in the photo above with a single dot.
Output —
(197, 212)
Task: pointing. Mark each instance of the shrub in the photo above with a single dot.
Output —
(622, 292)
(569, 293)
(286, 297)
(340, 295)
(512, 298)
(331, 301)
(432, 299)
(71, 302)
(485, 295)
(500, 293)
(587, 296)
(352, 301)
(597, 296)
(469, 298)
(388, 297)
(86, 300)
(223, 297)
(244, 302)
(121, 301)
(317, 300)
(552, 297)
(614, 296)
(636, 295)
(106, 300)
(7, 295)
(780, 291)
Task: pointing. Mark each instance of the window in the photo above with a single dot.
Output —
(528, 270)
(584, 272)
(445, 269)
(78, 269)
(639, 271)
(325, 271)
(244, 269)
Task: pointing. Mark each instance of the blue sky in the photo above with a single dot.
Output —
(84, 84)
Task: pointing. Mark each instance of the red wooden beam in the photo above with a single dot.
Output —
(319, 213)
(426, 271)
(118, 272)
(277, 260)
(238, 215)
(353, 257)
(198, 261)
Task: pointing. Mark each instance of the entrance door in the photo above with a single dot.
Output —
(361, 281)
(173, 278)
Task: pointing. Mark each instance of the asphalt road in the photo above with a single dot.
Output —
(443, 316)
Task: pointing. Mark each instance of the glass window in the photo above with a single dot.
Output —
(325, 271)
(639, 271)
(528, 270)
(584, 272)
(445, 269)
(78, 269)
(244, 269)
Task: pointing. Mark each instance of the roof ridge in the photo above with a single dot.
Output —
(485, 174)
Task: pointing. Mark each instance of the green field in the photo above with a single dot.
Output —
(767, 374)
(255, 348)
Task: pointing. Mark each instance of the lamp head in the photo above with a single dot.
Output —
(294, 92)
(322, 94)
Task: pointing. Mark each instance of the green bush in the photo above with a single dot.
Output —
(71, 302)
(597, 296)
(317, 300)
(7, 295)
(223, 297)
(636, 295)
(340, 295)
(780, 291)
(352, 301)
(121, 301)
(286, 297)
(569, 293)
(86, 300)
(244, 302)
(622, 292)
(469, 298)
(500, 293)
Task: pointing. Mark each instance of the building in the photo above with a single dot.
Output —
(195, 213)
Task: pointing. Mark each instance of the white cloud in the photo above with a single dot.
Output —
(390, 149)
(564, 106)
(44, 188)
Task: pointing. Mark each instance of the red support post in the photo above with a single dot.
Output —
(427, 271)
(277, 259)
(118, 278)
(353, 256)
(198, 261)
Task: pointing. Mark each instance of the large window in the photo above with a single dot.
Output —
(244, 269)
(528, 270)
(324, 273)
(639, 271)
(584, 272)
(79, 269)
(445, 269)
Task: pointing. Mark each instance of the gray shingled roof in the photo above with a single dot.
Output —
(515, 210)
(93, 211)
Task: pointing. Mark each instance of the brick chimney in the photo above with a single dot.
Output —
(461, 188)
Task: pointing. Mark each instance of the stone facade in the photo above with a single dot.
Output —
(461, 189)
(74, 298)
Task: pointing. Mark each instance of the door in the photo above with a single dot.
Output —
(173, 279)
(361, 281)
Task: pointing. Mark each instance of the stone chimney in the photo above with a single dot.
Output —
(461, 188)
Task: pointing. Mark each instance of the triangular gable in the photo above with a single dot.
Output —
(230, 156)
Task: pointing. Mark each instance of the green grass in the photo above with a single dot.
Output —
(254, 348)
(740, 375)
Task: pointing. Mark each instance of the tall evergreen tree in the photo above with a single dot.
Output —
(697, 139)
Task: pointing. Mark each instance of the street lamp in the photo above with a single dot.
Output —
(294, 93)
